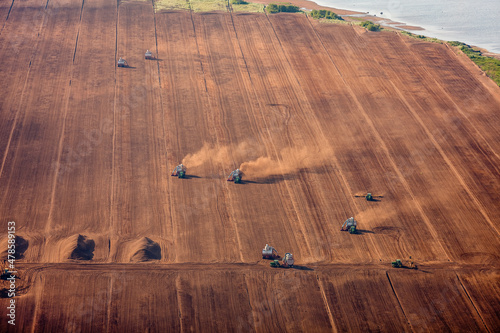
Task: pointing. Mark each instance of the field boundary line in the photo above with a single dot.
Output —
(110, 299)
(179, 301)
(397, 298)
(113, 139)
(7, 17)
(327, 306)
(62, 136)
(471, 301)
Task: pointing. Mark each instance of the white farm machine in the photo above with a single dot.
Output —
(235, 176)
(122, 62)
(350, 225)
(179, 171)
(149, 55)
(269, 252)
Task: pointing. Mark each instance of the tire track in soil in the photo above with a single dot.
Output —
(113, 139)
(48, 224)
(236, 41)
(270, 142)
(326, 305)
(449, 98)
(420, 121)
(463, 136)
(319, 130)
(313, 121)
(399, 302)
(221, 128)
(387, 153)
(7, 17)
(472, 302)
(21, 99)
(227, 211)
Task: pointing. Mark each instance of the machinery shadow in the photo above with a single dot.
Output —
(302, 268)
(288, 176)
(243, 182)
(361, 231)
(271, 180)
(190, 177)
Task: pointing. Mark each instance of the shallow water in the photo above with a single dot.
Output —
(472, 22)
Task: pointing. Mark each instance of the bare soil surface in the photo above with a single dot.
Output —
(107, 240)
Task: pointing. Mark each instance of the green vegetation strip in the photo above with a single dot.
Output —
(491, 66)
(194, 5)
(208, 5)
(171, 4)
(422, 37)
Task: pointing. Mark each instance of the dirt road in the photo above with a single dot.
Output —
(108, 241)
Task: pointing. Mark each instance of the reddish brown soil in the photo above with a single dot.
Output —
(111, 242)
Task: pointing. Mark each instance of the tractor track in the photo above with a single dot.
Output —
(399, 301)
(385, 148)
(21, 99)
(61, 136)
(472, 302)
(264, 131)
(7, 17)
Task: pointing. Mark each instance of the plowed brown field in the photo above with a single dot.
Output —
(108, 241)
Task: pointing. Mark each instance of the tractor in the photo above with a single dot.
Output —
(369, 196)
(288, 260)
(275, 263)
(397, 264)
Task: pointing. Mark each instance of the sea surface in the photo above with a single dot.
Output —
(472, 22)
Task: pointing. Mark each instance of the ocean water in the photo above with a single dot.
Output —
(472, 22)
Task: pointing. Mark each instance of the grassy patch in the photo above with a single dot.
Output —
(491, 66)
(422, 37)
(208, 5)
(248, 7)
(171, 4)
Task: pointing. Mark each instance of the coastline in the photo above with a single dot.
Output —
(351, 16)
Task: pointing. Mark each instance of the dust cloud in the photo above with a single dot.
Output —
(292, 159)
(256, 163)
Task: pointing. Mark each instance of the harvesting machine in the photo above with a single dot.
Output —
(235, 176)
(350, 225)
(122, 62)
(269, 252)
(149, 55)
(179, 171)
